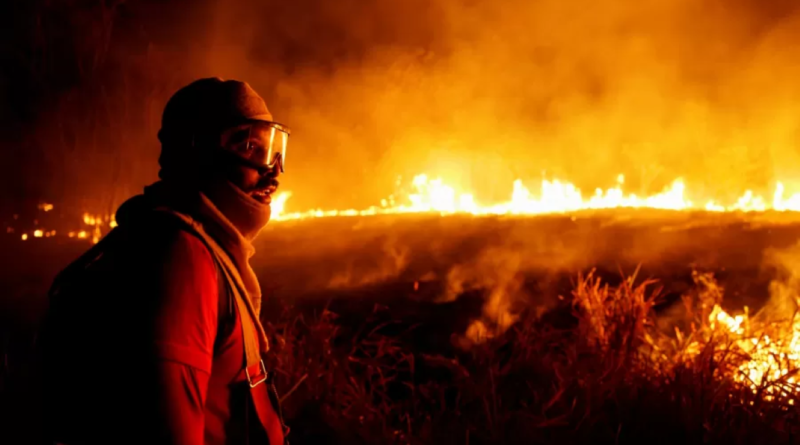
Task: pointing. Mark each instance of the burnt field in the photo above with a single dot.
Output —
(446, 267)
(371, 317)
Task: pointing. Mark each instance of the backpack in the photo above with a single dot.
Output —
(62, 347)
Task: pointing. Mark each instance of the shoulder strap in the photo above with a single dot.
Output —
(253, 335)
(257, 342)
(227, 314)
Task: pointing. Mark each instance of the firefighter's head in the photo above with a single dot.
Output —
(216, 133)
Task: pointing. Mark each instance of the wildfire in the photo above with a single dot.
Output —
(554, 196)
(433, 195)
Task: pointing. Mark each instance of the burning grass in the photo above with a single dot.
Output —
(601, 368)
(434, 196)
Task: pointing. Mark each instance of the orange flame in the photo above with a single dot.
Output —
(433, 195)
(770, 358)
(554, 196)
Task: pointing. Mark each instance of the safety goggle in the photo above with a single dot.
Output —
(259, 144)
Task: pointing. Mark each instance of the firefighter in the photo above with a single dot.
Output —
(153, 336)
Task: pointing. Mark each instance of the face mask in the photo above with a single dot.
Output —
(246, 214)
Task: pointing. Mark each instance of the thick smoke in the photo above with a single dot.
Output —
(485, 92)
(478, 92)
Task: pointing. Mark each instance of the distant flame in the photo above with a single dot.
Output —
(554, 196)
(278, 203)
(433, 195)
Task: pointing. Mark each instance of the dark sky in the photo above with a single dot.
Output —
(480, 92)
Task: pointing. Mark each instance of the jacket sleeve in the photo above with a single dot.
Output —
(183, 392)
(183, 329)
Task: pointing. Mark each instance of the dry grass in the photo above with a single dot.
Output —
(612, 377)
(600, 368)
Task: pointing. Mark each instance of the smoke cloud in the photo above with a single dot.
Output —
(477, 92)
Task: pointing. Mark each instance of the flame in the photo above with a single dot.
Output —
(91, 220)
(433, 195)
(97, 221)
(277, 205)
(769, 358)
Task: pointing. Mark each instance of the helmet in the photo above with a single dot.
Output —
(206, 107)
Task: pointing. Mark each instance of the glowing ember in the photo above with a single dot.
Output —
(45, 207)
(38, 233)
(24, 236)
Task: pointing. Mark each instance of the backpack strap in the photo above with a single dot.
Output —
(254, 338)
(227, 312)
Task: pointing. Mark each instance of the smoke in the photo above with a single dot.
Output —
(482, 93)
(386, 266)
(497, 274)
(478, 92)
(784, 289)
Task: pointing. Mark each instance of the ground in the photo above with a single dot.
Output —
(394, 296)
